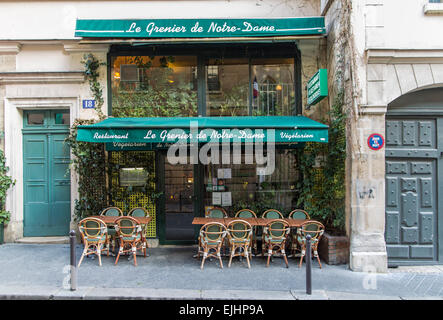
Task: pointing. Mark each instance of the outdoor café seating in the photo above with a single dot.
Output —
(268, 214)
(129, 232)
(112, 212)
(296, 214)
(211, 240)
(247, 213)
(315, 229)
(216, 212)
(140, 212)
(239, 238)
(95, 238)
(274, 238)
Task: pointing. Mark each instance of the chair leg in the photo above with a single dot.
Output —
(269, 257)
(83, 255)
(247, 257)
(118, 255)
(286, 259)
(203, 260)
(134, 253)
(231, 256)
(219, 258)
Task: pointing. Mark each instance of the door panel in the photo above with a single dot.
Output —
(179, 204)
(36, 183)
(411, 189)
(46, 178)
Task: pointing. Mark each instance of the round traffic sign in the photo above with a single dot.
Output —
(376, 141)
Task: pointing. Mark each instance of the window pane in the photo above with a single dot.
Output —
(62, 118)
(249, 189)
(273, 87)
(135, 177)
(36, 119)
(227, 87)
(160, 86)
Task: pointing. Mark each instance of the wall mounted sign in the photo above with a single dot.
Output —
(88, 104)
(199, 28)
(376, 141)
(318, 87)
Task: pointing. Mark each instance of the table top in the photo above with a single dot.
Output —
(111, 219)
(293, 223)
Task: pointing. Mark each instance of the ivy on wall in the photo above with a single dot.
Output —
(5, 183)
(322, 189)
(89, 163)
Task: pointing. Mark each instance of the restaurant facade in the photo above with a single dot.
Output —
(206, 104)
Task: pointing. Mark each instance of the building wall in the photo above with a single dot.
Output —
(389, 48)
(41, 68)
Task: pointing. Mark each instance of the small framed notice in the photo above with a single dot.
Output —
(226, 199)
(216, 198)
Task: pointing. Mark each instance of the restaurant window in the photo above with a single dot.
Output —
(243, 185)
(154, 86)
(227, 90)
(273, 87)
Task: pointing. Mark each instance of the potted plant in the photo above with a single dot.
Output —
(5, 183)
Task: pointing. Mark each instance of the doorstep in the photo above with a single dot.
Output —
(43, 240)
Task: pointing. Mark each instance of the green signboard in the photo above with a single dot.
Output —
(200, 28)
(157, 132)
(318, 87)
(136, 136)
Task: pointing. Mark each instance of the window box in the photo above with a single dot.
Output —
(334, 249)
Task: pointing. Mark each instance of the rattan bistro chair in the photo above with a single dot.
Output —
(216, 212)
(274, 238)
(239, 236)
(112, 212)
(316, 230)
(141, 212)
(95, 238)
(247, 213)
(268, 214)
(129, 233)
(296, 214)
(211, 240)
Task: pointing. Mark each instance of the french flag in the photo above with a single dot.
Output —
(255, 88)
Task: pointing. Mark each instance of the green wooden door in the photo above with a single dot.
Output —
(46, 178)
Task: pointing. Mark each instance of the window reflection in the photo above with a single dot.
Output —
(158, 86)
(36, 119)
(273, 87)
(227, 87)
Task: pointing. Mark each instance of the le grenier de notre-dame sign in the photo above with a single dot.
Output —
(199, 28)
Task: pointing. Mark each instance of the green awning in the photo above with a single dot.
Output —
(278, 129)
(199, 28)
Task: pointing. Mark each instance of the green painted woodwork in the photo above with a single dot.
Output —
(46, 178)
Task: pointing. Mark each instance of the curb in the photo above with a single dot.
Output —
(93, 293)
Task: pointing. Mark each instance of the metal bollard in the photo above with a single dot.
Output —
(73, 261)
(308, 265)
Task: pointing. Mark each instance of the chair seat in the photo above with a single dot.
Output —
(267, 239)
(137, 237)
(93, 240)
(241, 241)
(303, 239)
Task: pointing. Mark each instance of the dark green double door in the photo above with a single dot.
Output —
(46, 177)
